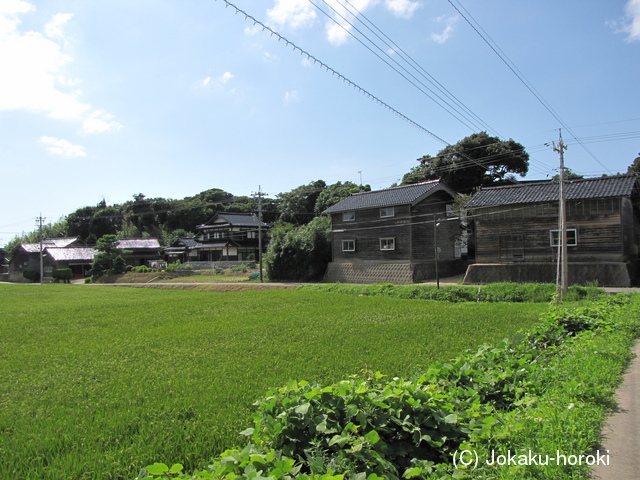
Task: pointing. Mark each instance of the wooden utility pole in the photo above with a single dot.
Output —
(260, 194)
(40, 221)
(563, 264)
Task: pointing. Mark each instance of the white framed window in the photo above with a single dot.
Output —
(252, 234)
(572, 237)
(348, 216)
(348, 245)
(388, 243)
(386, 212)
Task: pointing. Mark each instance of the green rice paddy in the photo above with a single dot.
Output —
(98, 382)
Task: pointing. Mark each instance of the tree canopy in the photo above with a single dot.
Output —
(476, 160)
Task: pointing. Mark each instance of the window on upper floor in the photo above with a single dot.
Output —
(387, 212)
(348, 216)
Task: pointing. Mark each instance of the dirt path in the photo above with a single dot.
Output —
(621, 432)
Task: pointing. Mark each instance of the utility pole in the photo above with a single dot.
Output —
(40, 221)
(260, 194)
(563, 264)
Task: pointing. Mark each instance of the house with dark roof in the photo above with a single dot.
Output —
(226, 237)
(140, 251)
(71, 253)
(26, 256)
(517, 231)
(400, 234)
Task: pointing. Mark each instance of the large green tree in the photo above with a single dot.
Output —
(476, 160)
(109, 258)
(299, 253)
(635, 166)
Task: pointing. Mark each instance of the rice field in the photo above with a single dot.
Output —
(98, 382)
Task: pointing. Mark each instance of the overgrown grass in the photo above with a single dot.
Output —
(493, 292)
(99, 381)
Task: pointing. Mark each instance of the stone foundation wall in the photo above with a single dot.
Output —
(382, 272)
(606, 274)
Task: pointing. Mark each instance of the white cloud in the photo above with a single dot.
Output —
(301, 13)
(218, 83)
(402, 8)
(58, 146)
(294, 13)
(99, 121)
(291, 96)
(448, 30)
(34, 68)
(225, 77)
(632, 28)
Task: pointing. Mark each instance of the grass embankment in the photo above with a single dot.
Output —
(99, 381)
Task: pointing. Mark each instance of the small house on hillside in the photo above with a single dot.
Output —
(141, 251)
(517, 231)
(393, 235)
(226, 237)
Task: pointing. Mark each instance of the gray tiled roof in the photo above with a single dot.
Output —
(548, 191)
(406, 194)
(235, 219)
(49, 242)
(132, 243)
(71, 253)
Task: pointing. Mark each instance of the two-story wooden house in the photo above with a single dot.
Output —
(395, 235)
(230, 237)
(517, 231)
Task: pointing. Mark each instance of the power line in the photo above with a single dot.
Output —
(462, 117)
(334, 72)
(496, 49)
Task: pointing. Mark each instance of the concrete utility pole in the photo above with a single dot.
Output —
(563, 264)
(260, 194)
(40, 221)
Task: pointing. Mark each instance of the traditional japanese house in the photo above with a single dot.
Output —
(231, 237)
(517, 231)
(396, 235)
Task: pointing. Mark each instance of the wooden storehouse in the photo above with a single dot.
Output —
(517, 231)
(392, 235)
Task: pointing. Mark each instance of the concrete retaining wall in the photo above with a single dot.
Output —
(606, 274)
(382, 272)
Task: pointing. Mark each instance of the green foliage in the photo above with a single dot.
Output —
(109, 258)
(492, 399)
(493, 292)
(64, 274)
(31, 275)
(496, 159)
(299, 253)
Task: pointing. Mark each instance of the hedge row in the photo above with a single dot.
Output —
(493, 292)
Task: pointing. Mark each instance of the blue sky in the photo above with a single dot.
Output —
(109, 99)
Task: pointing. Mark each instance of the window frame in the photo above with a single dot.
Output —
(387, 210)
(387, 241)
(555, 233)
(349, 216)
(350, 240)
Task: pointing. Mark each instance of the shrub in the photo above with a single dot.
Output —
(31, 275)
(64, 274)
